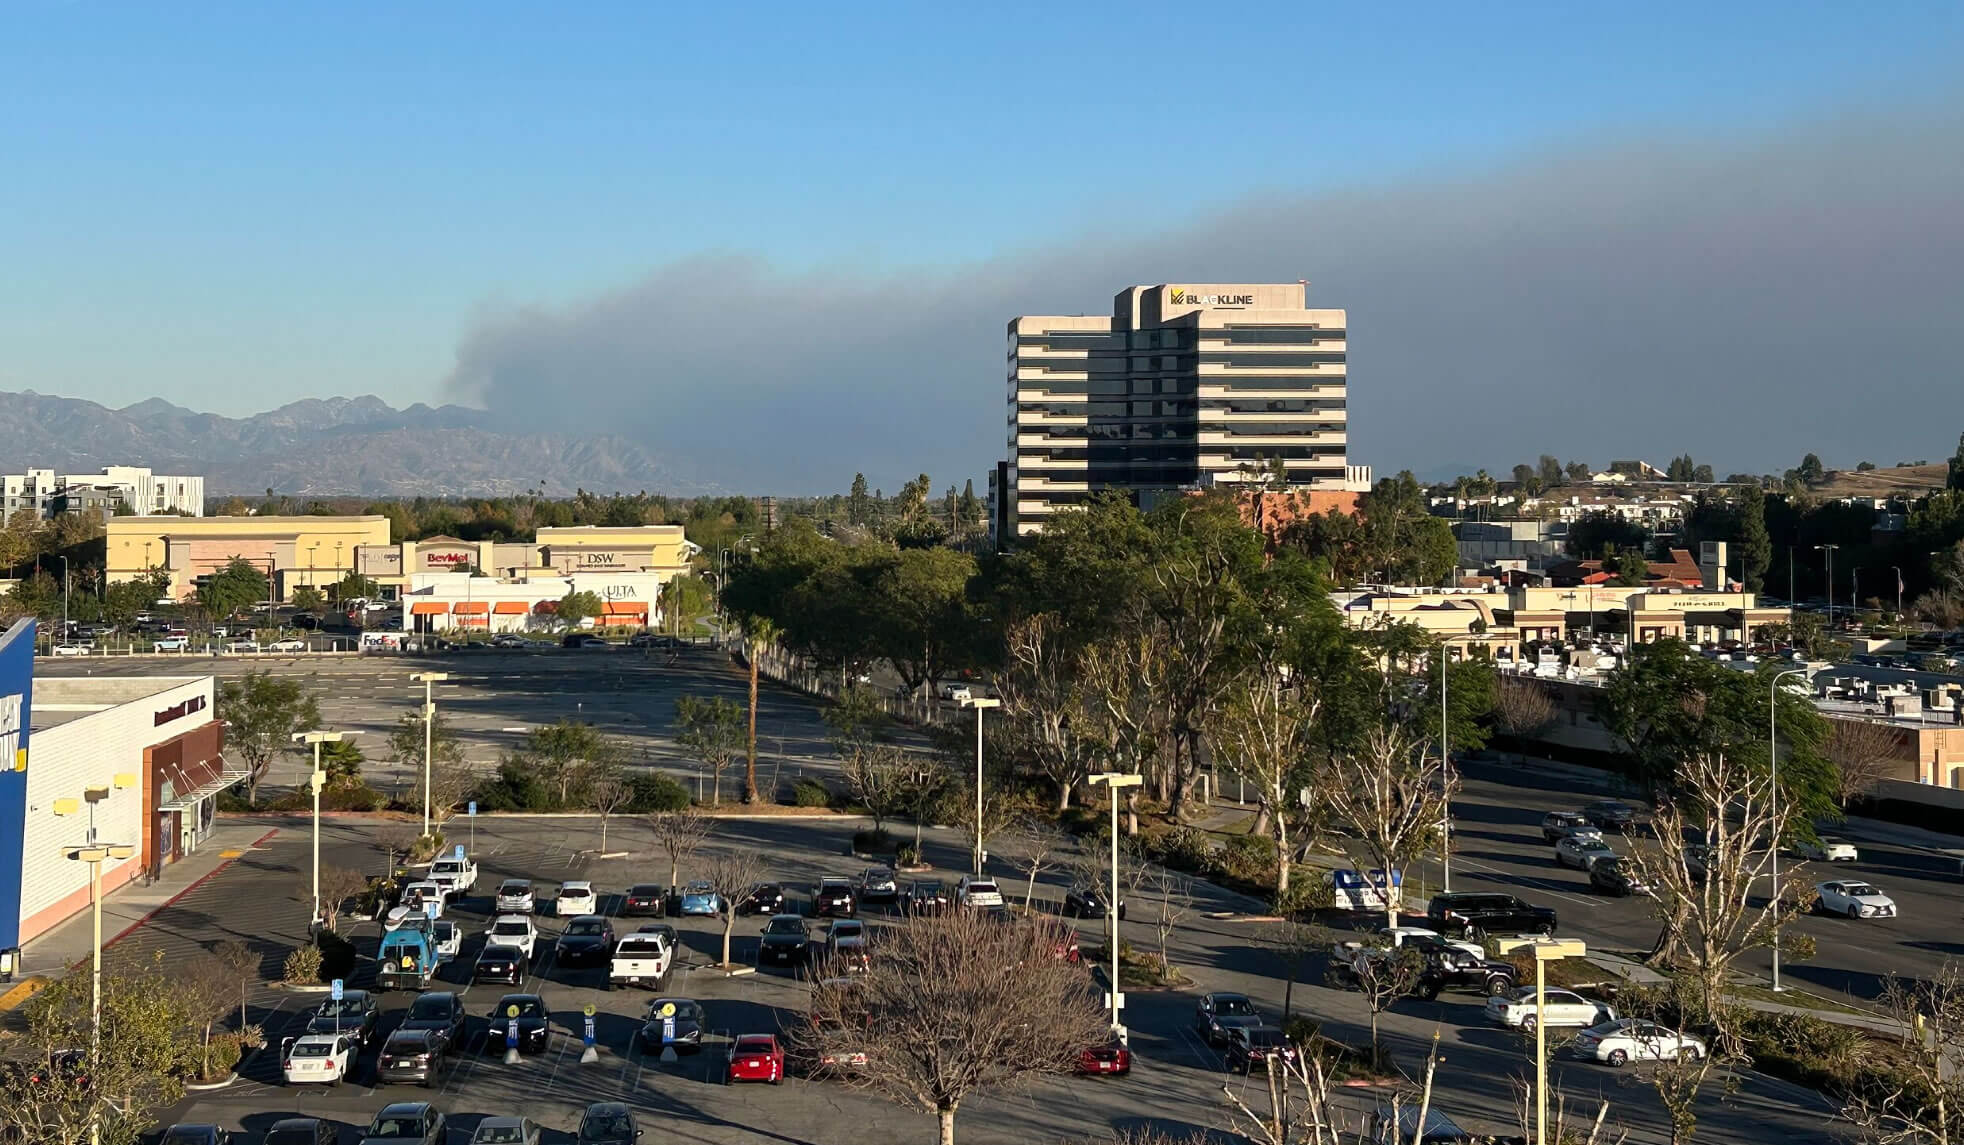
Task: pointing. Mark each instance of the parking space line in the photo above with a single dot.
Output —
(1495, 874)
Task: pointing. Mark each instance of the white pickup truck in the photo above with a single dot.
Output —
(641, 959)
(457, 877)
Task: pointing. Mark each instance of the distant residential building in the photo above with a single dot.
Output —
(143, 493)
(1179, 387)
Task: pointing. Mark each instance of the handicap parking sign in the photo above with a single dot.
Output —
(334, 989)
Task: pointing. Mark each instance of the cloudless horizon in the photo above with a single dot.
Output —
(231, 206)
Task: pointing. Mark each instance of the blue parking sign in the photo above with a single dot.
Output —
(472, 809)
(460, 846)
(334, 989)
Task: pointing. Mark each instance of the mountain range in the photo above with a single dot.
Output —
(326, 447)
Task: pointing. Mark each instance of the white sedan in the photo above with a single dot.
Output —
(1854, 899)
(319, 1059)
(1827, 849)
(1635, 1040)
(1561, 1008)
(287, 646)
(1428, 939)
(70, 650)
(575, 899)
(1581, 852)
(513, 930)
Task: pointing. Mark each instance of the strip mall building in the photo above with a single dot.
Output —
(150, 747)
(625, 568)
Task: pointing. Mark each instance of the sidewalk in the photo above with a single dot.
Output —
(70, 942)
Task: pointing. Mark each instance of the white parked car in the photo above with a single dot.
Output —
(1635, 1040)
(1562, 1008)
(287, 646)
(1427, 939)
(414, 898)
(319, 1059)
(1581, 852)
(955, 692)
(513, 930)
(243, 646)
(575, 899)
(1827, 849)
(449, 939)
(515, 897)
(172, 644)
(974, 892)
(1854, 899)
(70, 650)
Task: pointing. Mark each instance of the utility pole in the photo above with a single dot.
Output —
(1829, 550)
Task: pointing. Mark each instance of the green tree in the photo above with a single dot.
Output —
(759, 632)
(1401, 538)
(262, 712)
(1579, 471)
(1954, 475)
(307, 598)
(1549, 468)
(711, 730)
(355, 586)
(1755, 546)
(1811, 472)
(685, 600)
(1681, 468)
(565, 755)
(446, 755)
(922, 623)
(859, 503)
(1703, 475)
(123, 600)
(232, 589)
(1626, 569)
(1599, 531)
(1470, 685)
(341, 760)
(1670, 704)
(575, 606)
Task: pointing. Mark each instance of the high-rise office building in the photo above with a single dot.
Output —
(1182, 387)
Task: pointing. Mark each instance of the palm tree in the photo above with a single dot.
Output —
(758, 633)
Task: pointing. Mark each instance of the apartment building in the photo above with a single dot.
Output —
(145, 493)
(1180, 387)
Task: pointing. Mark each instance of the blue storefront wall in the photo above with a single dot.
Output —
(16, 702)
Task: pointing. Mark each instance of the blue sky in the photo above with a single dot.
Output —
(236, 205)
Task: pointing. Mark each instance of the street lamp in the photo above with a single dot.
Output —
(979, 703)
(1446, 762)
(64, 594)
(1115, 780)
(1545, 950)
(1898, 570)
(314, 783)
(1855, 594)
(1773, 753)
(94, 853)
(429, 728)
(1829, 550)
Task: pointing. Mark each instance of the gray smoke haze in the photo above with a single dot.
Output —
(1747, 300)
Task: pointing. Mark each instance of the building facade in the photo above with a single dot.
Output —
(143, 492)
(292, 550)
(1182, 386)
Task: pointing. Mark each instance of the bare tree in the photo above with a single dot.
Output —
(1864, 753)
(1393, 798)
(954, 1005)
(607, 795)
(1929, 1111)
(1121, 677)
(241, 966)
(1037, 843)
(1561, 1127)
(731, 874)
(1168, 901)
(1382, 974)
(338, 885)
(1521, 707)
(880, 778)
(1297, 1105)
(1263, 729)
(677, 835)
(395, 842)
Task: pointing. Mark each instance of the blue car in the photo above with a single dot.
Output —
(698, 898)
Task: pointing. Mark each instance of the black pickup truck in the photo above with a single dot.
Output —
(1477, 914)
(1449, 969)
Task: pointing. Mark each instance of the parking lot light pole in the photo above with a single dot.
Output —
(1115, 780)
(1446, 763)
(1773, 755)
(429, 728)
(94, 852)
(1545, 950)
(315, 782)
(979, 703)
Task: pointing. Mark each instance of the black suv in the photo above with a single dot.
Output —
(440, 1012)
(1480, 914)
(1616, 875)
(1612, 815)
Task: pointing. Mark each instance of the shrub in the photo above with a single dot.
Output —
(1301, 1031)
(1307, 893)
(871, 842)
(908, 855)
(809, 792)
(1250, 858)
(1185, 849)
(427, 847)
(221, 1057)
(302, 967)
(656, 792)
(515, 788)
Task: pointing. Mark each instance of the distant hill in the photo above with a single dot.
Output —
(326, 447)
(1897, 481)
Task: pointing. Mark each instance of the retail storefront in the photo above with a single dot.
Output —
(456, 602)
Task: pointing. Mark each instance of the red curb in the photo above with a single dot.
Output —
(195, 884)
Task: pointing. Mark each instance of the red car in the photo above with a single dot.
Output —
(1111, 1059)
(756, 1057)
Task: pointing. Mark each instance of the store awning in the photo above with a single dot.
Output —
(471, 607)
(185, 800)
(511, 608)
(428, 608)
(625, 608)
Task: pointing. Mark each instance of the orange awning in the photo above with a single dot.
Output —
(471, 607)
(511, 608)
(428, 608)
(625, 608)
(474, 620)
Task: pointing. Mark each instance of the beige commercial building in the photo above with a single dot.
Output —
(291, 550)
(1181, 386)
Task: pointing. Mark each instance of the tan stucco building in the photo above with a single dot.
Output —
(293, 550)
